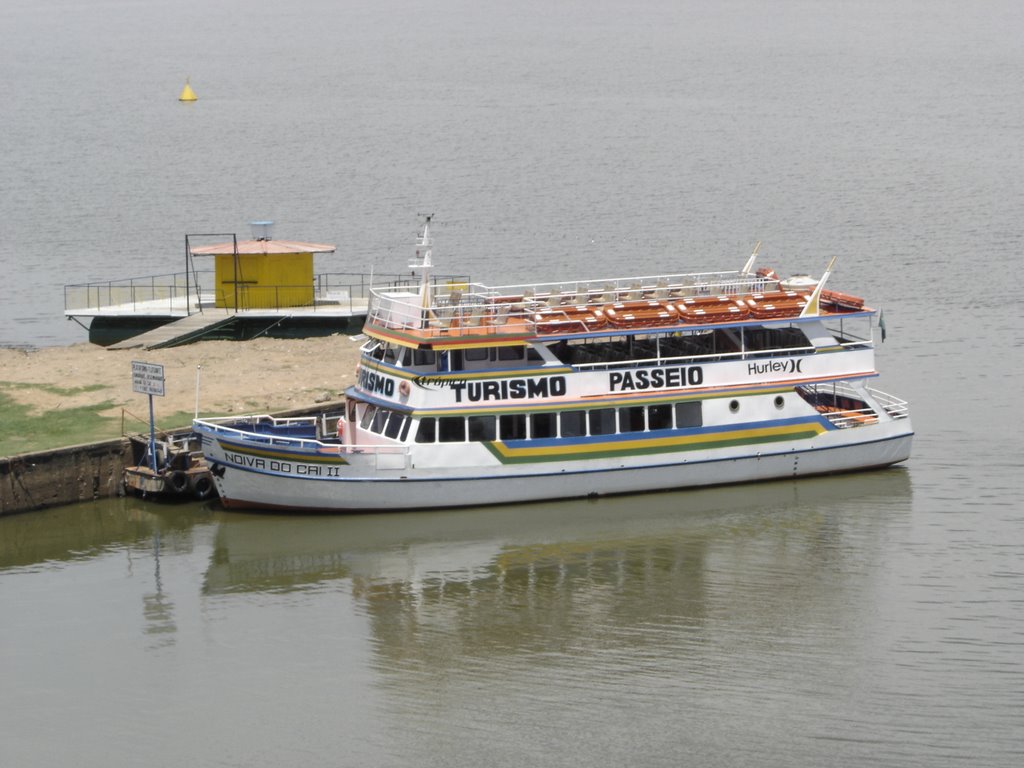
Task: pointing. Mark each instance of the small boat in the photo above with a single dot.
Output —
(479, 394)
(176, 471)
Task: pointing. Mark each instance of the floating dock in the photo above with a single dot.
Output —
(256, 287)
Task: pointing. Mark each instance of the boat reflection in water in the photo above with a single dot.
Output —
(652, 626)
(90, 530)
(535, 577)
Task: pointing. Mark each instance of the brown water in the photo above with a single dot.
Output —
(792, 623)
(866, 620)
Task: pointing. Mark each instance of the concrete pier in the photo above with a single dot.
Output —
(63, 475)
(87, 472)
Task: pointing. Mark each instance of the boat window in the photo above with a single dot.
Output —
(482, 428)
(847, 330)
(379, 420)
(405, 428)
(602, 421)
(543, 425)
(424, 357)
(406, 357)
(632, 419)
(659, 417)
(510, 353)
(426, 432)
(562, 351)
(759, 339)
(368, 416)
(394, 425)
(688, 415)
(389, 353)
(476, 354)
(513, 426)
(574, 423)
(451, 429)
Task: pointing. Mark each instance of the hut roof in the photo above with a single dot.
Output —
(248, 247)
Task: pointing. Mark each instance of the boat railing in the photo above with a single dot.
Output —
(844, 406)
(894, 406)
(610, 290)
(852, 417)
(460, 308)
(257, 427)
(267, 430)
(454, 307)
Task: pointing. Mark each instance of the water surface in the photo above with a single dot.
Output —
(872, 619)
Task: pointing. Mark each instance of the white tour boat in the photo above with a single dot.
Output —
(469, 394)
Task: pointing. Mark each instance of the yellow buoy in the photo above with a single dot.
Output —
(187, 94)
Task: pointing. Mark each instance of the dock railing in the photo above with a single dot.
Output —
(176, 294)
(151, 293)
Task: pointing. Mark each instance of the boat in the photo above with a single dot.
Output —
(169, 468)
(471, 394)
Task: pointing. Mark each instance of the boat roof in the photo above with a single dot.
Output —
(469, 315)
(262, 247)
(466, 315)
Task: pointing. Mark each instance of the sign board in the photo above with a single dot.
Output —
(147, 378)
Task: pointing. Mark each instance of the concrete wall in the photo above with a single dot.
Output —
(63, 476)
(84, 472)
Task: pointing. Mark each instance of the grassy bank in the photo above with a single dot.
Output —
(24, 429)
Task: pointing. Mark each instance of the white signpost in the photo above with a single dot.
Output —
(148, 379)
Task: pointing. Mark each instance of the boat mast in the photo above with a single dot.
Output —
(813, 306)
(424, 263)
(748, 268)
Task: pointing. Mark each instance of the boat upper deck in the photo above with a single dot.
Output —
(472, 314)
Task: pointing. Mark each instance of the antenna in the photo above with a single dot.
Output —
(198, 369)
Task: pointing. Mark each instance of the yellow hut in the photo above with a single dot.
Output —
(263, 273)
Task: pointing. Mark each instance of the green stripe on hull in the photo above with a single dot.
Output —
(507, 455)
(305, 458)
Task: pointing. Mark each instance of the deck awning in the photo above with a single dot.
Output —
(262, 247)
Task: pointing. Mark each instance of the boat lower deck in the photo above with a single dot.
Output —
(395, 486)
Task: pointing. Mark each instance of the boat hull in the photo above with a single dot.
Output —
(408, 488)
